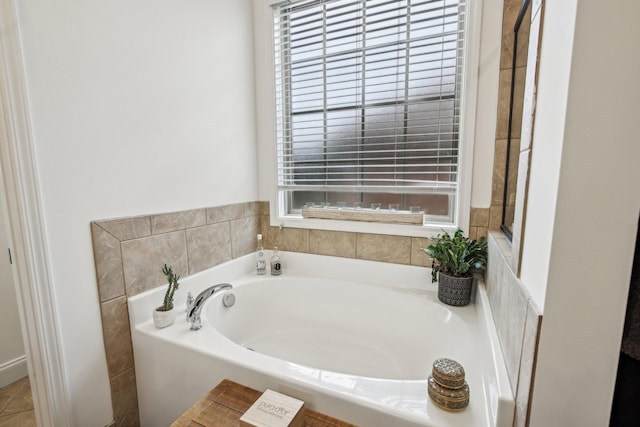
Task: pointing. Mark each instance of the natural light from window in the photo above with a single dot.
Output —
(368, 105)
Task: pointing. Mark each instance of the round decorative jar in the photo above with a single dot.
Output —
(446, 385)
(448, 398)
(448, 373)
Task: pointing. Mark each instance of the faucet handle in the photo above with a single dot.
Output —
(189, 302)
(196, 323)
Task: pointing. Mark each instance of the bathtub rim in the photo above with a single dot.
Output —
(499, 407)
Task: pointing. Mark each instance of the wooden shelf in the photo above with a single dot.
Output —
(366, 215)
(224, 405)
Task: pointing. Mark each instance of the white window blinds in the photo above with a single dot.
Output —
(368, 95)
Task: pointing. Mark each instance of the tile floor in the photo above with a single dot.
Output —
(16, 405)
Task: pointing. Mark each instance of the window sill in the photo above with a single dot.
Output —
(394, 229)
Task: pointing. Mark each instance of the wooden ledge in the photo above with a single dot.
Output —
(367, 215)
(224, 405)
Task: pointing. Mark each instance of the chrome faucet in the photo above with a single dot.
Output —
(195, 307)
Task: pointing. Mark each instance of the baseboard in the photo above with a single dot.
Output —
(13, 370)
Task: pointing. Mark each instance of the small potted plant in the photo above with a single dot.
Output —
(454, 259)
(164, 315)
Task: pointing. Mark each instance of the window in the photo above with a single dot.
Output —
(368, 104)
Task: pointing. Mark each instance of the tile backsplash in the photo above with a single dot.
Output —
(129, 254)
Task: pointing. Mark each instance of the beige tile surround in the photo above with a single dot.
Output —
(479, 222)
(373, 247)
(129, 254)
(522, 112)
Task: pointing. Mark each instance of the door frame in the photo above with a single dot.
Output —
(31, 268)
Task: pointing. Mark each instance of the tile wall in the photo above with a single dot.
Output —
(515, 314)
(373, 247)
(510, 13)
(129, 253)
(479, 222)
(517, 320)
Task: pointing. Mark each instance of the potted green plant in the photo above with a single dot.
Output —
(164, 315)
(454, 259)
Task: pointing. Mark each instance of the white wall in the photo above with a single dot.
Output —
(137, 107)
(487, 103)
(13, 364)
(546, 154)
(583, 206)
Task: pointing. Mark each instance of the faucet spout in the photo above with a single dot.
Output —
(195, 308)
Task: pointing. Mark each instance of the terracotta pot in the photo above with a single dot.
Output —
(162, 319)
(454, 290)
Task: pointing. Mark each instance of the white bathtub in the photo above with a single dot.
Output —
(353, 339)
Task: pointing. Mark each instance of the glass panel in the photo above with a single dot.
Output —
(342, 143)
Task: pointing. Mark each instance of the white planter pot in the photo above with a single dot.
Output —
(162, 319)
